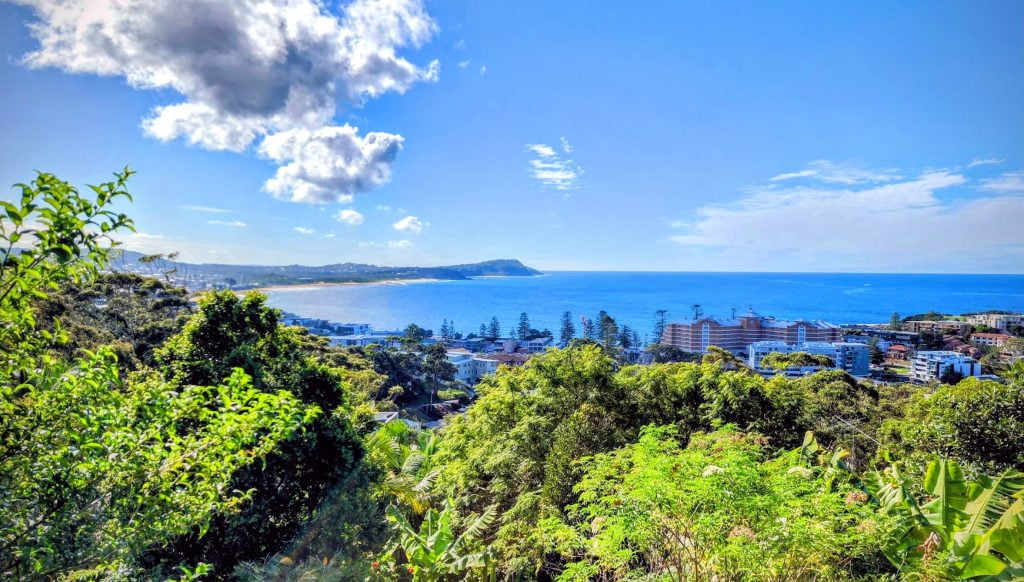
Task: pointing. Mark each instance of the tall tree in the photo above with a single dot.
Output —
(495, 328)
(568, 329)
(437, 367)
(698, 311)
(660, 320)
(588, 328)
(523, 330)
(483, 330)
(894, 321)
(626, 337)
(608, 330)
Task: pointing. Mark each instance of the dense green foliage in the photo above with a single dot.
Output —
(144, 437)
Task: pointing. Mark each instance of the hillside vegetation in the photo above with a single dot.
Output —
(146, 437)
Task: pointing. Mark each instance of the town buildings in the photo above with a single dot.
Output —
(897, 352)
(735, 334)
(990, 339)
(854, 358)
(947, 326)
(1000, 321)
(470, 367)
(930, 366)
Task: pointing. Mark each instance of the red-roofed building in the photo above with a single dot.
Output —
(897, 352)
(990, 339)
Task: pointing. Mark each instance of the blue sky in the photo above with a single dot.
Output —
(792, 136)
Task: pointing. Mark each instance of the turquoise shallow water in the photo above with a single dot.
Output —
(632, 298)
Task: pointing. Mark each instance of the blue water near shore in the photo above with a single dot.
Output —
(632, 298)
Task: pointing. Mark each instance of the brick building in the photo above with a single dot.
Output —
(735, 334)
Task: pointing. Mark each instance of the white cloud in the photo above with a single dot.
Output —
(206, 209)
(237, 223)
(898, 226)
(1007, 183)
(329, 235)
(463, 64)
(248, 69)
(329, 164)
(483, 70)
(383, 207)
(349, 216)
(304, 231)
(144, 242)
(839, 173)
(985, 162)
(410, 224)
(551, 169)
(391, 244)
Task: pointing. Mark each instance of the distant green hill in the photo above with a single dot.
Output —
(197, 275)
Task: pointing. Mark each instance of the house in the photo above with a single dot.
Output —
(930, 366)
(352, 341)
(471, 368)
(511, 359)
(897, 352)
(536, 345)
(990, 339)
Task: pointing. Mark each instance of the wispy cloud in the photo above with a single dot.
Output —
(303, 230)
(410, 224)
(483, 70)
(1007, 183)
(463, 64)
(236, 223)
(349, 216)
(985, 162)
(839, 173)
(383, 207)
(552, 169)
(898, 225)
(391, 244)
(206, 209)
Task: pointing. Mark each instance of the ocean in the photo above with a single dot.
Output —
(632, 298)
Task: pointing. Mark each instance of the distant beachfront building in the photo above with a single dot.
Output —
(931, 366)
(854, 358)
(952, 326)
(1002, 322)
(736, 333)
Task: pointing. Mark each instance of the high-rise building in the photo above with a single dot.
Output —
(736, 333)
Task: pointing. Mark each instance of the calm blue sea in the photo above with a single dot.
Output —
(632, 298)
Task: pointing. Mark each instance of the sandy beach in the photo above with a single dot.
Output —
(320, 285)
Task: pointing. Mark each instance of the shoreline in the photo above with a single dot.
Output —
(325, 284)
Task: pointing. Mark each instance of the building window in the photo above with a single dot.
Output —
(705, 336)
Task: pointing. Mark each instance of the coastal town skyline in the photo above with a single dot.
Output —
(807, 139)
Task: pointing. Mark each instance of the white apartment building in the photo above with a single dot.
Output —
(854, 358)
(470, 368)
(1002, 322)
(930, 366)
